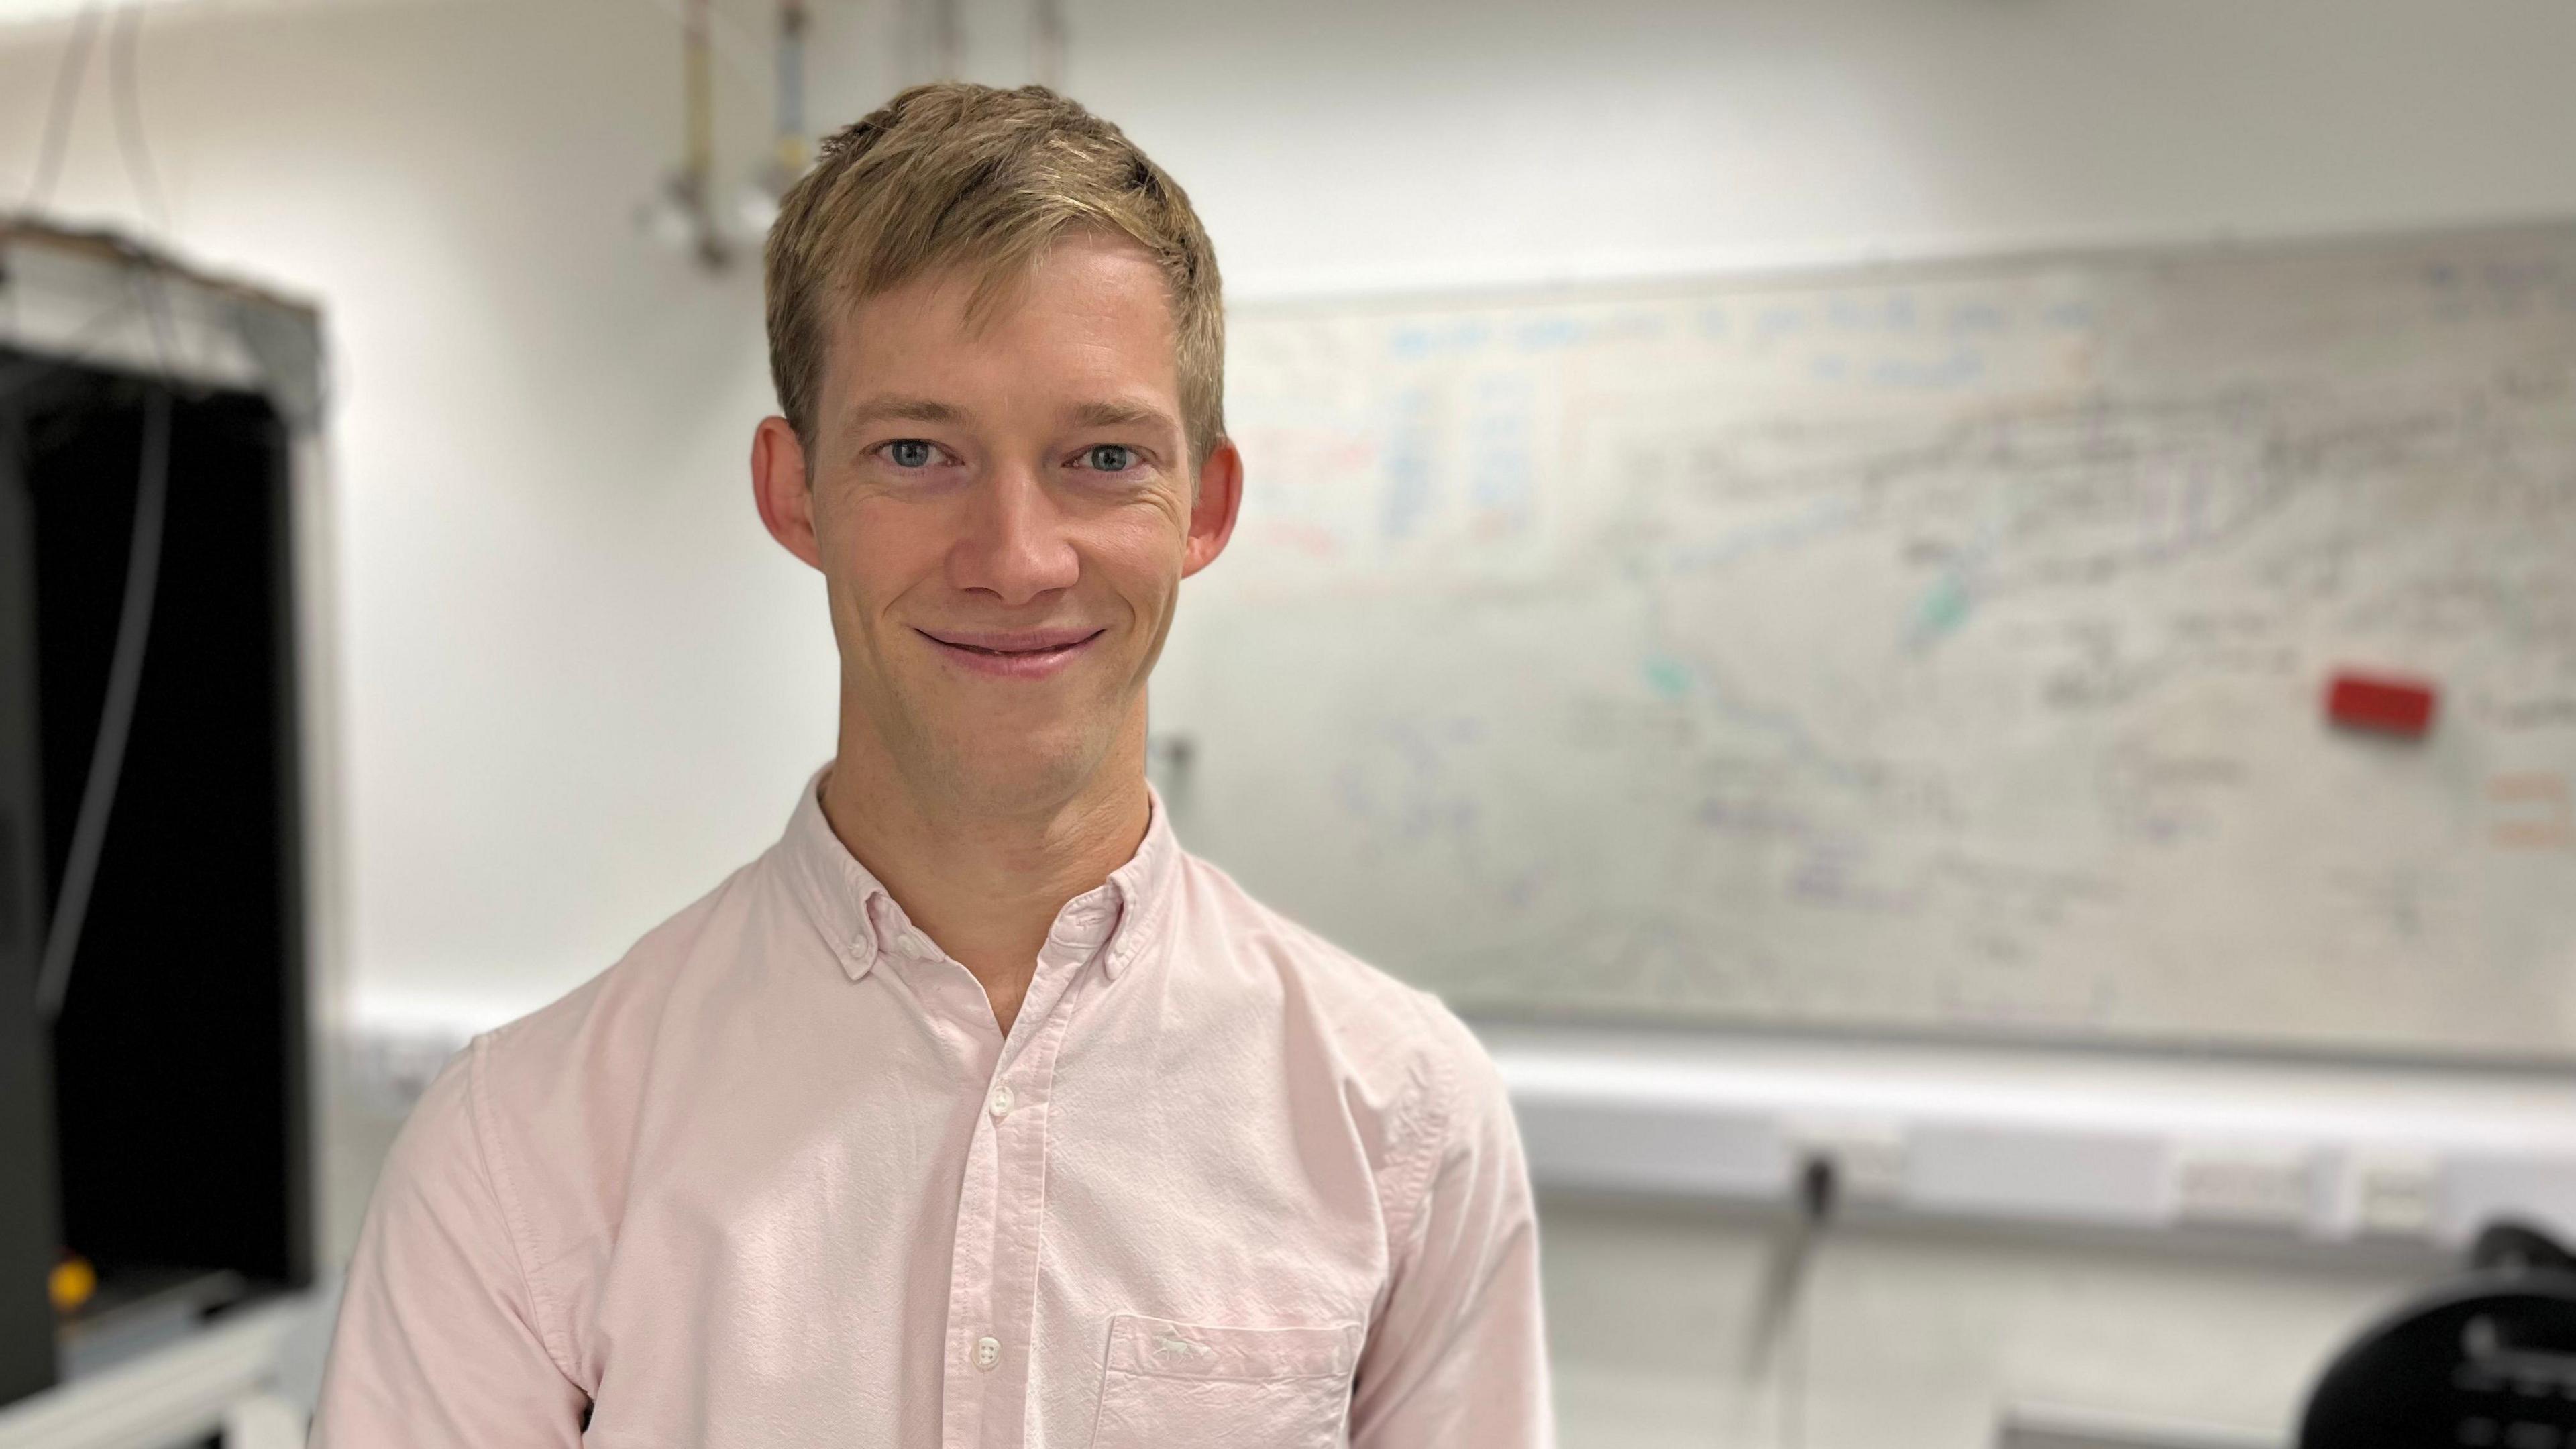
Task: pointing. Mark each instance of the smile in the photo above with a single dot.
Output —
(1024, 654)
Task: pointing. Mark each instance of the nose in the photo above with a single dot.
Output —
(1014, 543)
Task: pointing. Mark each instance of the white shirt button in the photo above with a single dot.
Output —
(988, 1351)
(1001, 1103)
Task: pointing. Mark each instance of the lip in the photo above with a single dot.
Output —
(1012, 653)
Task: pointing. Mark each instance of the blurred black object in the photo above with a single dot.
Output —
(2488, 1360)
(157, 1126)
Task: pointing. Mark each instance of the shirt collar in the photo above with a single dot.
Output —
(863, 921)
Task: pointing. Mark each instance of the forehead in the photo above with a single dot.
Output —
(1087, 312)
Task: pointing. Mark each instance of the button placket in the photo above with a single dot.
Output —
(977, 1247)
(993, 1301)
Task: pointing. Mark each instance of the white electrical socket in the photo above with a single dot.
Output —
(1868, 1157)
(2245, 1184)
(2395, 1194)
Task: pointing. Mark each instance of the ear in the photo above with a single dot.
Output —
(1213, 508)
(780, 487)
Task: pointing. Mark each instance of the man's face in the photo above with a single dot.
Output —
(1003, 514)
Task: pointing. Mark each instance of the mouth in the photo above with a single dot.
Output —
(1012, 654)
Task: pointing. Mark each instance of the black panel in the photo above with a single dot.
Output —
(27, 1208)
(179, 1059)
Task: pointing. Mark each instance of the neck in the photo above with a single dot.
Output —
(985, 882)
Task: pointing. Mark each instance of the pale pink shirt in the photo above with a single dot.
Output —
(777, 1178)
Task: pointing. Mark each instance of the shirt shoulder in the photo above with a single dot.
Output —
(603, 1023)
(1411, 1068)
(559, 1092)
(1357, 993)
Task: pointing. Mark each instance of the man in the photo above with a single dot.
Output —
(976, 1112)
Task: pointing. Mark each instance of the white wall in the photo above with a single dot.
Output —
(581, 684)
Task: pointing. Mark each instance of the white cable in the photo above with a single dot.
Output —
(116, 712)
(125, 92)
(68, 81)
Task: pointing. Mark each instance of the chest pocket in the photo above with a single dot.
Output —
(1174, 1385)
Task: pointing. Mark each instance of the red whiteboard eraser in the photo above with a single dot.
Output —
(2378, 702)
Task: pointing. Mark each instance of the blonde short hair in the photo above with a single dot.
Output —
(958, 175)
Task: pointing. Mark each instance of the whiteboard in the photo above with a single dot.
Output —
(1935, 648)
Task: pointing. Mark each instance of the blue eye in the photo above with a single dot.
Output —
(909, 453)
(1109, 458)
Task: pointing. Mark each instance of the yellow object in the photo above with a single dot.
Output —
(71, 1283)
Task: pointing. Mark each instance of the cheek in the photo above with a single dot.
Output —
(878, 551)
(1142, 564)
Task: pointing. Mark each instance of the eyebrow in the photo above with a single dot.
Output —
(900, 409)
(927, 410)
(1117, 415)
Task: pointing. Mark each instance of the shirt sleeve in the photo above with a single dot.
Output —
(438, 1344)
(1458, 1354)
